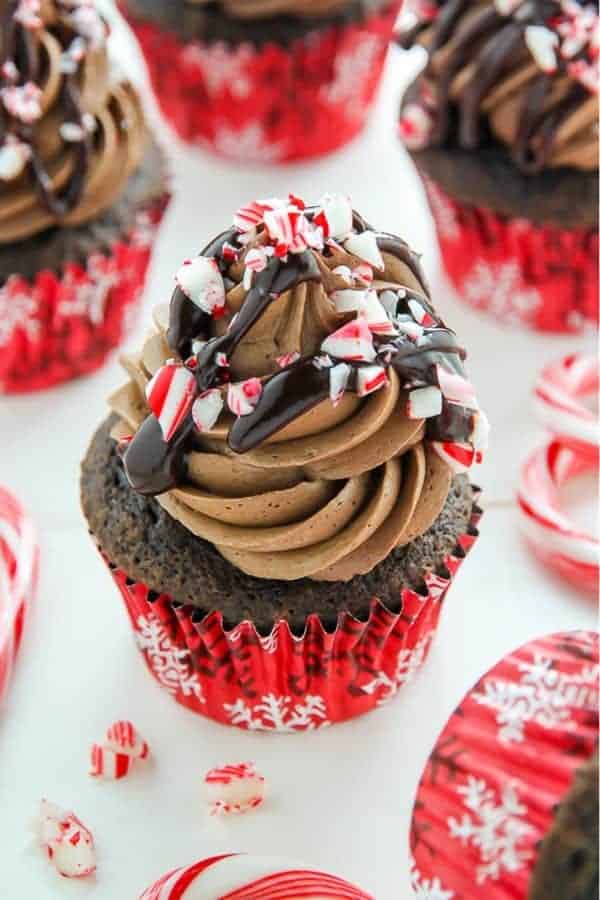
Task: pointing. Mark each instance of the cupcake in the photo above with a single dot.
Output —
(502, 125)
(265, 80)
(82, 191)
(280, 489)
(508, 802)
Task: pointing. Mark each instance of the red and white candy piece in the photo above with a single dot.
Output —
(243, 396)
(335, 216)
(543, 44)
(415, 126)
(250, 216)
(234, 789)
(349, 300)
(115, 757)
(557, 406)
(455, 388)
(424, 403)
(363, 274)
(569, 550)
(123, 737)
(374, 312)
(338, 381)
(23, 102)
(459, 457)
(206, 409)
(170, 395)
(352, 341)
(370, 379)
(365, 247)
(66, 840)
(201, 281)
(106, 763)
(14, 156)
(420, 314)
(240, 877)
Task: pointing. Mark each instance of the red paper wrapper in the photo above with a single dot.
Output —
(545, 278)
(58, 327)
(281, 682)
(506, 757)
(18, 579)
(273, 103)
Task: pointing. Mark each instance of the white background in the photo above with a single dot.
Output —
(340, 799)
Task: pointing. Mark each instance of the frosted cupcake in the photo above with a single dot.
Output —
(503, 127)
(265, 80)
(280, 488)
(81, 192)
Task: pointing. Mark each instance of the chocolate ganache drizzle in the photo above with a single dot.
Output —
(308, 408)
(527, 70)
(70, 133)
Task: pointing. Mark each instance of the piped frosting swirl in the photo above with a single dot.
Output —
(71, 133)
(527, 70)
(307, 406)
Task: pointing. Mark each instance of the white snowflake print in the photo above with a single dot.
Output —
(408, 664)
(222, 67)
(249, 144)
(352, 69)
(498, 286)
(144, 230)
(279, 713)
(443, 213)
(18, 311)
(543, 695)
(171, 664)
(427, 888)
(89, 298)
(496, 828)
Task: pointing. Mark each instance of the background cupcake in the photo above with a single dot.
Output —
(265, 81)
(81, 193)
(284, 512)
(503, 127)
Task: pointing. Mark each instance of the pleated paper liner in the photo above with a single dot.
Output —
(60, 326)
(506, 757)
(274, 103)
(18, 579)
(282, 682)
(543, 278)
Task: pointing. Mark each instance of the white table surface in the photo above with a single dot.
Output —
(340, 799)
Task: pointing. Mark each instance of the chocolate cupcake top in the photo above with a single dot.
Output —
(71, 130)
(526, 71)
(300, 404)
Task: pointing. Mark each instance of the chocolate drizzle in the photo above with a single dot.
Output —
(154, 465)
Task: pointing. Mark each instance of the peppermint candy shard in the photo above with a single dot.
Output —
(543, 45)
(352, 341)
(250, 216)
(415, 126)
(349, 300)
(14, 156)
(234, 789)
(481, 432)
(69, 845)
(455, 388)
(123, 737)
(424, 403)
(109, 764)
(365, 247)
(420, 314)
(206, 409)
(287, 359)
(370, 379)
(377, 319)
(170, 395)
(363, 273)
(338, 381)
(335, 216)
(459, 457)
(243, 396)
(201, 281)
(410, 328)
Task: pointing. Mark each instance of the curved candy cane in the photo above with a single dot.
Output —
(556, 394)
(240, 877)
(570, 551)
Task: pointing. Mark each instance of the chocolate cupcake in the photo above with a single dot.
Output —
(280, 489)
(82, 190)
(265, 80)
(503, 127)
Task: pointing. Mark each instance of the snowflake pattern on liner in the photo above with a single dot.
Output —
(443, 212)
(409, 663)
(90, 299)
(222, 67)
(170, 663)
(498, 287)
(279, 713)
(18, 311)
(351, 71)
(247, 144)
(427, 888)
(543, 695)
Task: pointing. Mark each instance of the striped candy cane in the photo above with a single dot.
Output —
(240, 877)
(557, 403)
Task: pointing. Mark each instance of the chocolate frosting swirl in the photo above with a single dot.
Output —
(525, 71)
(310, 482)
(71, 133)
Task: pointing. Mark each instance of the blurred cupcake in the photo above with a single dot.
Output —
(265, 80)
(503, 127)
(508, 802)
(82, 190)
(280, 489)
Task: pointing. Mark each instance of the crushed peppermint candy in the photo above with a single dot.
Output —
(170, 394)
(352, 341)
(243, 396)
(206, 409)
(335, 216)
(424, 403)
(68, 844)
(365, 247)
(234, 789)
(370, 379)
(23, 102)
(338, 381)
(14, 156)
(201, 281)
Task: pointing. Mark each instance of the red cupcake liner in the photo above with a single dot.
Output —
(59, 326)
(281, 682)
(272, 103)
(545, 278)
(18, 579)
(506, 757)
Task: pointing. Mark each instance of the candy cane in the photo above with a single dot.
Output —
(239, 877)
(572, 552)
(557, 406)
